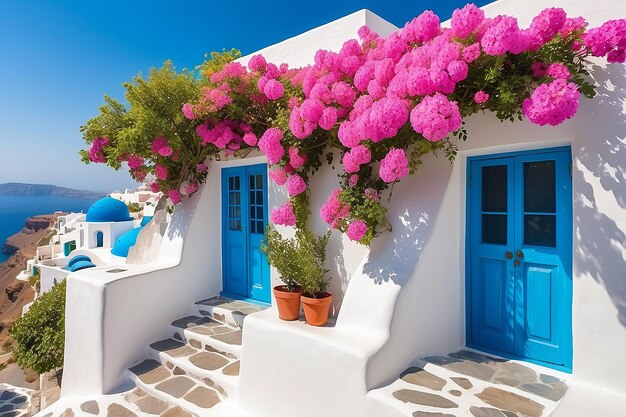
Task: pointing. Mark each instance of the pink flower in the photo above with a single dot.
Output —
(558, 70)
(188, 111)
(175, 196)
(471, 53)
(480, 97)
(270, 145)
(165, 151)
(435, 117)
(295, 185)
(279, 176)
(608, 40)
(135, 161)
(465, 20)
(457, 70)
(296, 160)
(158, 143)
(353, 180)
(552, 103)
(155, 187)
(334, 210)
(539, 69)
(328, 118)
(355, 157)
(283, 215)
(160, 171)
(95, 151)
(273, 89)
(190, 188)
(257, 63)
(394, 166)
(202, 167)
(357, 230)
(372, 194)
(547, 23)
(504, 36)
(250, 139)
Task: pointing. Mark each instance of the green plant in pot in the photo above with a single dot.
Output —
(316, 301)
(284, 254)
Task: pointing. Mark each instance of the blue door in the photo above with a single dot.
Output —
(246, 273)
(520, 255)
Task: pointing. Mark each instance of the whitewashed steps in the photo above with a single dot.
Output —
(226, 310)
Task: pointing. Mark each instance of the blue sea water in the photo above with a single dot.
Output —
(14, 210)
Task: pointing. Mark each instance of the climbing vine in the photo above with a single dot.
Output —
(377, 106)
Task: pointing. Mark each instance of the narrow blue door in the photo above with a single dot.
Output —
(246, 273)
(520, 243)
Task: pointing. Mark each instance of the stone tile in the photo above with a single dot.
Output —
(464, 367)
(177, 336)
(232, 369)
(67, 413)
(176, 386)
(486, 412)
(209, 361)
(169, 365)
(11, 414)
(476, 357)
(511, 402)
(548, 379)
(7, 407)
(173, 348)
(137, 393)
(202, 397)
(212, 349)
(232, 338)
(455, 392)
(191, 321)
(195, 343)
(210, 383)
(424, 398)
(419, 376)
(90, 407)
(211, 330)
(543, 390)
(152, 405)
(178, 371)
(176, 412)
(214, 301)
(462, 382)
(514, 374)
(7, 395)
(426, 414)
(118, 410)
(150, 371)
(219, 317)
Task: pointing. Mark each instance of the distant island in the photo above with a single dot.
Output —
(16, 188)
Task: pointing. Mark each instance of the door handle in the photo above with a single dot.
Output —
(519, 254)
(508, 254)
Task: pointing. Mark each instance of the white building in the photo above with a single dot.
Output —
(432, 287)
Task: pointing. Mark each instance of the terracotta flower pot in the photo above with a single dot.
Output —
(316, 309)
(288, 302)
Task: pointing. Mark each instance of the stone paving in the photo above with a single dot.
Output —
(14, 401)
(465, 383)
(185, 375)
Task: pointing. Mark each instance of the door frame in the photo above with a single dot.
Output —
(223, 227)
(567, 368)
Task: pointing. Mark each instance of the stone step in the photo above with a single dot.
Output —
(213, 369)
(226, 310)
(179, 390)
(467, 383)
(208, 334)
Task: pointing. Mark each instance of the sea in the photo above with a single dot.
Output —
(15, 209)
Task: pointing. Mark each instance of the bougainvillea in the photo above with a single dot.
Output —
(378, 105)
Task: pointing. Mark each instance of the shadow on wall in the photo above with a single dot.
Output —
(600, 241)
(413, 210)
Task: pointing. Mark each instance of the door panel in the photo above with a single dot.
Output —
(244, 210)
(520, 226)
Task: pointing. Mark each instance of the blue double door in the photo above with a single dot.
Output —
(245, 271)
(520, 255)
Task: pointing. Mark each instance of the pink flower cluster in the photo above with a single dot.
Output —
(160, 146)
(334, 210)
(355, 157)
(135, 162)
(435, 117)
(95, 150)
(271, 146)
(295, 185)
(394, 166)
(284, 215)
(466, 20)
(357, 230)
(225, 134)
(608, 39)
(552, 103)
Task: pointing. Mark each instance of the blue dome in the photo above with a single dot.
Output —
(145, 220)
(108, 210)
(78, 258)
(81, 265)
(125, 242)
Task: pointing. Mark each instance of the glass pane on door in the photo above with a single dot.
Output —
(540, 203)
(494, 204)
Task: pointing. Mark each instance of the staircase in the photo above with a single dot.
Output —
(198, 366)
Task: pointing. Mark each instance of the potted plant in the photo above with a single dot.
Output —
(316, 301)
(283, 254)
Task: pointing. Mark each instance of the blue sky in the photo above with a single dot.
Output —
(58, 59)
